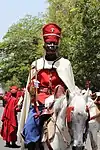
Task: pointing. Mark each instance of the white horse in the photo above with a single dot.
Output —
(79, 120)
(79, 116)
(93, 125)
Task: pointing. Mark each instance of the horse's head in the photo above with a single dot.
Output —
(79, 119)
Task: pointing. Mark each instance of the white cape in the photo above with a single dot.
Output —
(64, 70)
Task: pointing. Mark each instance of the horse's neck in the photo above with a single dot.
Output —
(61, 118)
(62, 136)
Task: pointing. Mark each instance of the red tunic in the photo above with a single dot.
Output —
(9, 119)
(48, 79)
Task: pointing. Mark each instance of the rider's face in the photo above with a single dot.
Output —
(51, 47)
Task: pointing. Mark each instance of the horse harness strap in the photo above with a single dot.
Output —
(48, 144)
(64, 139)
(48, 140)
(46, 134)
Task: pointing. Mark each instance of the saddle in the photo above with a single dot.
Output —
(48, 127)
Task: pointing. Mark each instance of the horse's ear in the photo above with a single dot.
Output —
(86, 95)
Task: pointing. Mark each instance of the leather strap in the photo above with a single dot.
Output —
(48, 144)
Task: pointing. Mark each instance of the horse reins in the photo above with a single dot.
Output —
(64, 139)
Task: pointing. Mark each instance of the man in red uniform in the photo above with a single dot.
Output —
(9, 118)
(46, 73)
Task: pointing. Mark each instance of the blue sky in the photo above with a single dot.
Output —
(12, 10)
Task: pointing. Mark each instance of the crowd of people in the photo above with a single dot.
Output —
(45, 75)
(9, 117)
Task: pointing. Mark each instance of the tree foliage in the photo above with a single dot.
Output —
(79, 21)
(80, 43)
(20, 46)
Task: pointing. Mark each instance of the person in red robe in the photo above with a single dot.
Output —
(9, 118)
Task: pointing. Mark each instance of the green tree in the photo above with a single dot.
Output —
(79, 21)
(20, 46)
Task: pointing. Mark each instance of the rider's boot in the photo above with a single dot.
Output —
(31, 146)
(41, 146)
